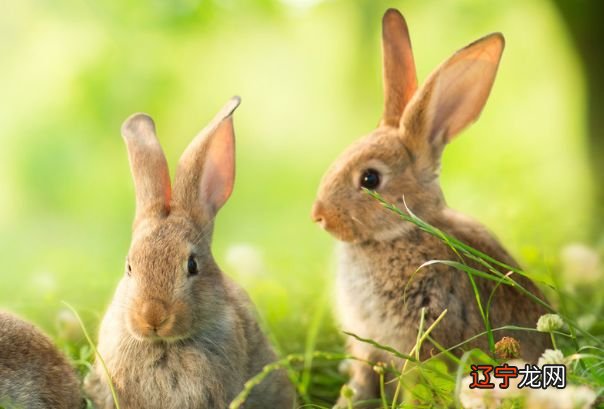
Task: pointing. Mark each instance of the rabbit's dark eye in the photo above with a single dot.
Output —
(370, 179)
(192, 266)
(129, 271)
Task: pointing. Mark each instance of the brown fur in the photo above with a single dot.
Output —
(170, 339)
(33, 373)
(400, 80)
(380, 293)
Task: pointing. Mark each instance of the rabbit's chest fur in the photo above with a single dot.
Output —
(202, 372)
(380, 292)
(188, 376)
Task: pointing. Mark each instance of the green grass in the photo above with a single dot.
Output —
(432, 382)
(310, 82)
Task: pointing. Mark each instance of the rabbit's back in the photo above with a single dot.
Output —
(33, 373)
(510, 306)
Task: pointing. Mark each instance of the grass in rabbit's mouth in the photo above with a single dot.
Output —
(439, 381)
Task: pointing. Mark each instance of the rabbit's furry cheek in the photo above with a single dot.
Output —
(347, 212)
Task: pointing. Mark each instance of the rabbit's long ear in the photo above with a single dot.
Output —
(452, 97)
(206, 170)
(148, 166)
(400, 79)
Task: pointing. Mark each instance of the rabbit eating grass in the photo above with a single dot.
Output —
(179, 333)
(379, 293)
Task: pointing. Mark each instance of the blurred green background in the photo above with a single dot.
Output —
(309, 73)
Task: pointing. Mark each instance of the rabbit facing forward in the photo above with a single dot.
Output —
(33, 373)
(179, 334)
(379, 293)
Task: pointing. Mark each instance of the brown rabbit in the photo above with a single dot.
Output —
(179, 333)
(33, 373)
(379, 293)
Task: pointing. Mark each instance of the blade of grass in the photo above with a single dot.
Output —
(96, 353)
(311, 341)
(452, 241)
(422, 320)
(421, 337)
(283, 363)
(382, 347)
(480, 257)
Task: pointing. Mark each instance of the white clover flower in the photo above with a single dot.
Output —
(581, 263)
(68, 326)
(572, 397)
(477, 398)
(344, 367)
(551, 357)
(44, 282)
(583, 397)
(585, 322)
(519, 363)
(549, 323)
(245, 260)
(512, 391)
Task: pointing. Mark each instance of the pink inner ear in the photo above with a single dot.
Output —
(218, 173)
(167, 194)
(456, 92)
(463, 90)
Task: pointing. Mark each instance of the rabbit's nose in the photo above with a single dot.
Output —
(154, 314)
(317, 214)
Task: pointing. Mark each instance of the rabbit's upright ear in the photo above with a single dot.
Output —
(400, 79)
(148, 166)
(206, 170)
(452, 97)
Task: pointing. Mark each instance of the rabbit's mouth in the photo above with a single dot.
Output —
(339, 233)
(157, 339)
(157, 336)
(332, 222)
(155, 323)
